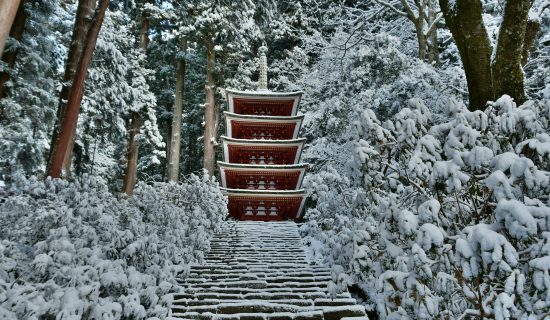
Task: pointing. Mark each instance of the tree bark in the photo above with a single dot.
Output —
(533, 27)
(422, 41)
(8, 10)
(9, 57)
(433, 49)
(70, 119)
(507, 68)
(130, 174)
(175, 139)
(211, 112)
(82, 23)
(466, 24)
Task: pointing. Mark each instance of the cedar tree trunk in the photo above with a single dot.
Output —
(9, 57)
(175, 139)
(82, 23)
(211, 112)
(130, 174)
(70, 119)
(8, 10)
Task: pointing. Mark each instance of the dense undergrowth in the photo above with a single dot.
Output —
(73, 250)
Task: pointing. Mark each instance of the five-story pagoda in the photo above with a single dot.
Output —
(261, 174)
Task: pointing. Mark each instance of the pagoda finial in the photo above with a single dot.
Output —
(262, 85)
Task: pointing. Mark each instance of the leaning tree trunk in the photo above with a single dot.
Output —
(9, 57)
(130, 174)
(8, 10)
(61, 145)
(465, 21)
(507, 67)
(82, 23)
(175, 140)
(211, 112)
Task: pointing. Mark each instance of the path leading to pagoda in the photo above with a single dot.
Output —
(258, 270)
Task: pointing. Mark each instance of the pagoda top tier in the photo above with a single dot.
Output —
(263, 102)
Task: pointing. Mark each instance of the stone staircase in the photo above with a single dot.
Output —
(258, 270)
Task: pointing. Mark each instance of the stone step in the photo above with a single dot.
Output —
(257, 295)
(319, 302)
(255, 284)
(196, 302)
(266, 311)
(253, 260)
(254, 290)
(260, 267)
(270, 278)
(309, 315)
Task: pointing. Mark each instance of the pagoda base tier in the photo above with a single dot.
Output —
(264, 205)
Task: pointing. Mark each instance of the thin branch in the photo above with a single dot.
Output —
(392, 7)
(434, 23)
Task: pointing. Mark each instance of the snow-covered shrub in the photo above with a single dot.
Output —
(436, 218)
(74, 250)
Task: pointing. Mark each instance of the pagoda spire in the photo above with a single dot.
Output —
(262, 85)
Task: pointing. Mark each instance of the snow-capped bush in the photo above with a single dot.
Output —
(74, 250)
(432, 211)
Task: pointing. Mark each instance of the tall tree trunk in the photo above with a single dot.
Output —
(465, 21)
(61, 145)
(130, 174)
(507, 67)
(9, 57)
(82, 23)
(211, 112)
(8, 10)
(175, 140)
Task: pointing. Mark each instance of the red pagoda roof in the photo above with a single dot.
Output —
(262, 151)
(263, 103)
(262, 177)
(264, 205)
(262, 127)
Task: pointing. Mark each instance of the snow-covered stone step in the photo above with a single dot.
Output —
(319, 302)
(309, 315)
(257, 268)
(268, 278)
(257, 296)
(245, 307)
(196, 302)
(251, 290)
(257, 284)
(246, 310)
(251, 273)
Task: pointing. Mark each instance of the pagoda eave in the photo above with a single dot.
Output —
(262, 177)
(265, 205)
(262, 127)
(262, 151)
(263, 102)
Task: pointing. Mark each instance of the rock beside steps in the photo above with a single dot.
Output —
(258, 270)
